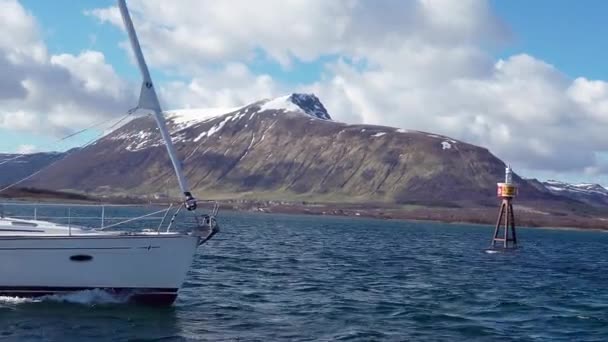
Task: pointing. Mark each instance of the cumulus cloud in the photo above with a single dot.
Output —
(52, 94)
(19, 37)
(195, 32)
(18, 120)
(233, 84)
(26, 149)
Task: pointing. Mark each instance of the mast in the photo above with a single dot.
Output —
(149, 100)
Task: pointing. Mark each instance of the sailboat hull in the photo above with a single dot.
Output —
(147, 269)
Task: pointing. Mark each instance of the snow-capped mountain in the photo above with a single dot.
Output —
(178, 121)
(584, 188)
(304, 103)
(585, 192)
(283, 148)
(307, 104)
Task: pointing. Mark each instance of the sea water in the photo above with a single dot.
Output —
(308, 278)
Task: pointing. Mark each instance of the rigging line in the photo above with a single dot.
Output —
(82, 130)
(11, 159)
(132, 219)
(90, 142)
(69, 136)
(121, 120)
(46, 167)
(173, 218)
(96, 125)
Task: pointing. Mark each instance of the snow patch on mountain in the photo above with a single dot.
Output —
(214, 129)
(179, 120)
(280, 103)
(307, 104)
(582, 188)
(442, 137)
(184, 118)
(138, 140)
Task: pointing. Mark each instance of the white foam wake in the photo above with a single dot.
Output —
(85, 297)
(16, 300)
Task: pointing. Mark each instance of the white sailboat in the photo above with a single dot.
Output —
(43, 258)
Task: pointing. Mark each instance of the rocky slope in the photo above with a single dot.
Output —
(286, 148)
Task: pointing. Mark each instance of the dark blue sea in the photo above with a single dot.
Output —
(306, 278)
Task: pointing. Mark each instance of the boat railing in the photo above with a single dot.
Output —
(93, 216)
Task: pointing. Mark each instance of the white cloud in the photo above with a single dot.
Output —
(26, 149)
(18, 120)
(192, 33)
(19, 36)
(232, 85)
(52, 94)
(232, 30)
(89, 69)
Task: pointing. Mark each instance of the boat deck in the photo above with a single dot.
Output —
(20, 227)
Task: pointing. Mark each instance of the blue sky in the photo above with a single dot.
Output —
(561, 33)
(66, 29)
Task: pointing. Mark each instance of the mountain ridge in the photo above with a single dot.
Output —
(589, 193)
(285, 151)
(287, 148)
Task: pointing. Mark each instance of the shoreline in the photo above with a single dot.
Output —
(547, 218)
(468, 216)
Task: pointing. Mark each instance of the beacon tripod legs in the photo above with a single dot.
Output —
(508, 238)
